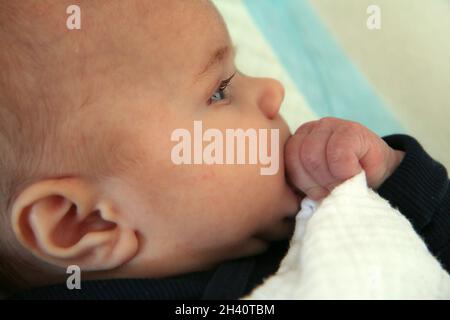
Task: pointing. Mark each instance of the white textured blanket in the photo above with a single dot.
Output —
(354, 245)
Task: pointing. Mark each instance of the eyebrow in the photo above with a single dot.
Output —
(218, 56)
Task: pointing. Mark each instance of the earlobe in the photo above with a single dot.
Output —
(65, 221)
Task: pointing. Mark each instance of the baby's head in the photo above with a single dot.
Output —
(85, 143)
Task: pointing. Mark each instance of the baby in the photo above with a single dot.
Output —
(87, 176)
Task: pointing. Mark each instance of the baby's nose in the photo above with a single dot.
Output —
(271, 97)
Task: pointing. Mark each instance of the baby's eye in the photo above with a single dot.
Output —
(219, 94)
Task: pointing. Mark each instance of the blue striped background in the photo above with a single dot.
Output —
(318, 66)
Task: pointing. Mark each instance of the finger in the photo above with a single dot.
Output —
(314, 155)
(296, 171)
(307, 127)
(374, 157)
(293, 146)
(343, 150)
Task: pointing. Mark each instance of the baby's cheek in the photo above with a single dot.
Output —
(207, 175)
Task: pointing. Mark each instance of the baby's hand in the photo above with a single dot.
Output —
(324, 153)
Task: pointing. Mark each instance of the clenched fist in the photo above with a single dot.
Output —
(324, 153)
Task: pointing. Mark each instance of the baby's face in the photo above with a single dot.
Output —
(194, 215)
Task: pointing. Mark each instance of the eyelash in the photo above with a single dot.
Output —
(223, 86)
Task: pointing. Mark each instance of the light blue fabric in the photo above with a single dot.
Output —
(320, 69)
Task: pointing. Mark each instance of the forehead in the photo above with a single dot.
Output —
(158, 44)
(189, 33)
(162, 43)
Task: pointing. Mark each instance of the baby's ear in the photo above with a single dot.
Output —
(67, 222)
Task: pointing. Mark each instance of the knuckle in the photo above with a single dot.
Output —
(341, 166)
(326, 121)
(352, 127)
(337, 155)
(311, 162)
(305, 127)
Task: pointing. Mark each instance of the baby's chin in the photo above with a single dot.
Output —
(280, 227)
